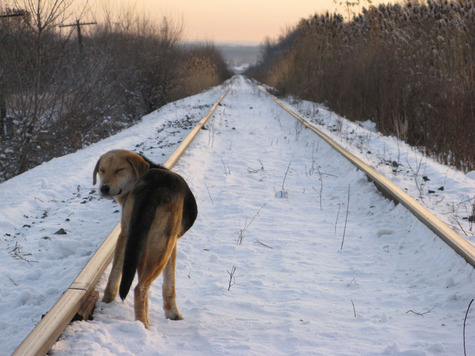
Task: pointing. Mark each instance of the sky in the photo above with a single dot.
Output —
(244, 21)
(241, 22)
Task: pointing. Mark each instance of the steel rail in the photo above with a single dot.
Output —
(391, 191)
(49, 329)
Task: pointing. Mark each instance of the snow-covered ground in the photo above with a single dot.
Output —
(278, 262)
(448, 193)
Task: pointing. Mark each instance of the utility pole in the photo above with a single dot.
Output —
(3, 99)
(78, 29)
(3, 104)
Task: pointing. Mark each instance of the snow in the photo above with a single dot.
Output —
(277, 262)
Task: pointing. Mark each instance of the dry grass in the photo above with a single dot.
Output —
(409, 68)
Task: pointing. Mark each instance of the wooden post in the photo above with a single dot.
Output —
(3, 107)
(3, 98)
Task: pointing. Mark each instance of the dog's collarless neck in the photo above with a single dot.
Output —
(121, 199)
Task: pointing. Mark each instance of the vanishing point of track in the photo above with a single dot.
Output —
(80, 297)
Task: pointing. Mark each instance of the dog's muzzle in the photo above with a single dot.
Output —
(105, 189)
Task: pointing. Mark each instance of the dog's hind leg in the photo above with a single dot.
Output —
(168, 289)
(161, 243)
(147, 273)
(141, 303)
(110, 293)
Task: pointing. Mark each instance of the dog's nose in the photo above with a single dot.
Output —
(105, 189)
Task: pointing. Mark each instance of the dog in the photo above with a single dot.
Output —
(158, 207)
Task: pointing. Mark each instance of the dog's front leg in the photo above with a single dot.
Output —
(113, 283)
(168, 289)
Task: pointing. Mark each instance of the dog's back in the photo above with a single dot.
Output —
(190, 210)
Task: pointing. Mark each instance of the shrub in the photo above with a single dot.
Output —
(201, 68)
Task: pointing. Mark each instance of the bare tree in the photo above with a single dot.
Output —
(34, 103)
(61, 97)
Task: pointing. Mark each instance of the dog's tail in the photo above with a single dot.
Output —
(140, 222)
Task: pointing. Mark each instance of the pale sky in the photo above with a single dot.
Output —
(244, 21)
(248, 21)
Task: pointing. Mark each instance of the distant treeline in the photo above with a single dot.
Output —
(59, 92)
(409, 68)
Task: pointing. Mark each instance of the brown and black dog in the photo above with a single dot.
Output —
(158, 207)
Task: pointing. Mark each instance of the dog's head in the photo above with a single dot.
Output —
(118, 171)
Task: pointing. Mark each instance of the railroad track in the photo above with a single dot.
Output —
(81, 296)
(393, 192)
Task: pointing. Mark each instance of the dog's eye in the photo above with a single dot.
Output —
(102, 170)
(118, 170)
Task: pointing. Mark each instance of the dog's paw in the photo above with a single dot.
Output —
(107, 298)
(173, 315)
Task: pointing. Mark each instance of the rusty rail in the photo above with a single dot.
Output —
(390, 190)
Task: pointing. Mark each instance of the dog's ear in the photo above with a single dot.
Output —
(139, 165)
(96, 170)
